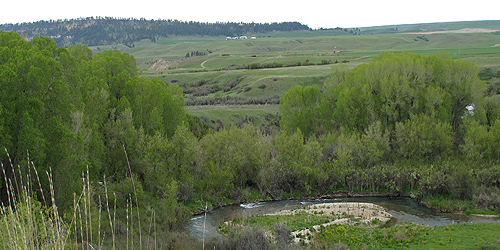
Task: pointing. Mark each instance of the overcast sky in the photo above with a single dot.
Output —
(316, 14)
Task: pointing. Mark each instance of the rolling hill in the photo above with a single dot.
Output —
(256, 72)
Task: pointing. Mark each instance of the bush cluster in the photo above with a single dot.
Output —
(248, 238)
(231, 100)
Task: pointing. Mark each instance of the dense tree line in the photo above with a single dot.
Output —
(389, 90)
(430, 114)
(197, 53)
(399, 124)
(105, 31)
(66, 109)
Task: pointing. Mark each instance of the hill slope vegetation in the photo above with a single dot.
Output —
(103, 31)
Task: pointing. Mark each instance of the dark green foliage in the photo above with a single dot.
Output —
(302, 108)
(418, 101)
(198, 126)
(486, 74)
(66, 109)
(196, 53)
(461, 183)
(265, 65)
(489, 177)
(231, 100)
(491, 107)
(106, 30)
(297, 165)
(482, 142)
(231, 159)
(487, 198)
(423, 38)
(422, 137)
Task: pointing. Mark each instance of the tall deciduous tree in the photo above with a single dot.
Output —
(301, 108)
(391, 90)
(422, 136)
(67, 109)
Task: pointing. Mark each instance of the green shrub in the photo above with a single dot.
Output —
(283, 234)
(248, 238)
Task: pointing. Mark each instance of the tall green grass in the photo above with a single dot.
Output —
(28, 223)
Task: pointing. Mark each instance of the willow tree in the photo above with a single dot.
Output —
(389, 89)
(301, 108)
(418, 102)
(68, 109)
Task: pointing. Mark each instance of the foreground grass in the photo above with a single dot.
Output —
(409, 235)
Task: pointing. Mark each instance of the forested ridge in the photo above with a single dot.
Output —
(105, 31)
(402, 124)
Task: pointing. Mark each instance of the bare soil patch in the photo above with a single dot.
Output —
(362, 57)
(347, 213)
(160, 64)
(203, 63)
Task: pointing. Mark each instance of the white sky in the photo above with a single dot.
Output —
(316, 14)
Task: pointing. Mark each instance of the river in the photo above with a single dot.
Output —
(402, 209)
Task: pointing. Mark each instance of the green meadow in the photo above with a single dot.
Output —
(296, 58)
(412, 236)
(277, 80)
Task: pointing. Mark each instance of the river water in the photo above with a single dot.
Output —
(402, 209)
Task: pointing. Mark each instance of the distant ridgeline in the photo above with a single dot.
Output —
(104, 31)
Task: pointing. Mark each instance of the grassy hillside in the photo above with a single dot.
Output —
(276, 80)
(312, 45)
(299, 57)
(419, 27)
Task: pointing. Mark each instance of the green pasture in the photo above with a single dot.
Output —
(421, 27)
(311, 48)
(306, 33)
(299, 46)
(276, 80)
